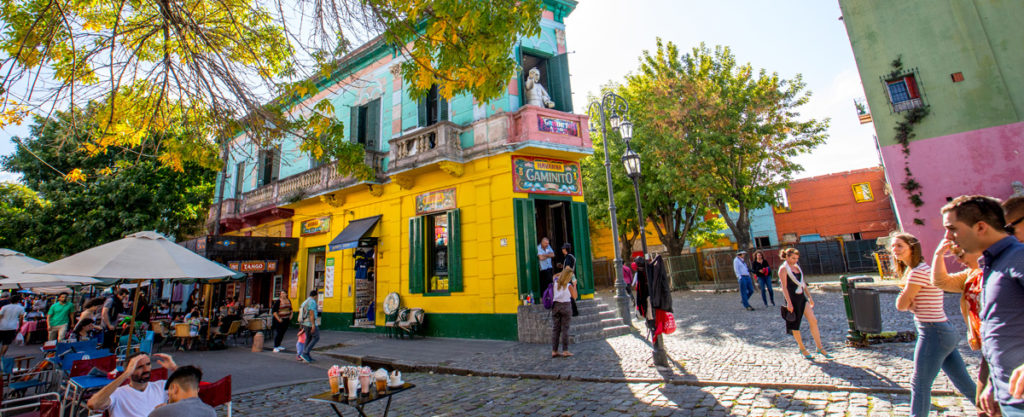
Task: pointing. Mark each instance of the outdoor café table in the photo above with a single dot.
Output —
(80, 385)
(359, 402)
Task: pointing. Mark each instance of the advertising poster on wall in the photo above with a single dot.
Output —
(293, 287)
(329, 278)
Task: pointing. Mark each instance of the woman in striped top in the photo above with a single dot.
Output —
(936, 338)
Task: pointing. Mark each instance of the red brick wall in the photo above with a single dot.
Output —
(826, 206)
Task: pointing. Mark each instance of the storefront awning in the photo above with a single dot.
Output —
(349, 238)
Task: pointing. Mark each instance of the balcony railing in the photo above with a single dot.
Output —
(438, 142)
(319, 180)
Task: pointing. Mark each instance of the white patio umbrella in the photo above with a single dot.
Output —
(139, 256)
(13, 265)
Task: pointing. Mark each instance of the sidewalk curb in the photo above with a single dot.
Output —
(676, 380)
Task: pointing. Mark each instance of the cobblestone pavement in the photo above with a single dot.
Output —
(447, 395)
(716, 341)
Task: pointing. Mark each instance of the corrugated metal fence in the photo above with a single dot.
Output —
(715, 266)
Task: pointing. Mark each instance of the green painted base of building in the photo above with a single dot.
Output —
(470, 326)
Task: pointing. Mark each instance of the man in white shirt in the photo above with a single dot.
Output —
(140, 396)
(547, 270)
(739, 266)
(11, 316)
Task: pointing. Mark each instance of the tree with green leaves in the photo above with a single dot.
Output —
(734, 132)
(120, 192)
(230, 67)
(674, 207)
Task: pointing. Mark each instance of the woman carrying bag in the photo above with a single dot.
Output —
(564, 305)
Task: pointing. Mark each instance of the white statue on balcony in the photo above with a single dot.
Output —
(536, 94)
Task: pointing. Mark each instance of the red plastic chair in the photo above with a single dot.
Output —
(217, 393)
(83, 366)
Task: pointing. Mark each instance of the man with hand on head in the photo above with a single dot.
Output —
(140, 396)
(978, 224)
(183, 395)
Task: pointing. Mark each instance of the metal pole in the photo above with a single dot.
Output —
(220, 191)
(621, 299)
(659, 355)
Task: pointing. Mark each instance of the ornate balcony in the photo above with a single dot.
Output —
(438, 142)
(537, 124)
(315, 181)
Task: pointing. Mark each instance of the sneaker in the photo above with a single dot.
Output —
(303, 359)
(278, 349)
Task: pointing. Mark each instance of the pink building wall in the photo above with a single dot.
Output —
(984, 161)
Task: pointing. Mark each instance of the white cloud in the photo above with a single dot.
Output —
(9, 177)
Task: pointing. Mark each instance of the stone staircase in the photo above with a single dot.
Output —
(597, 320)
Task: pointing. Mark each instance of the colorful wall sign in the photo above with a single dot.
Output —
(315, 226)
(435, 201)
(253, 266)
(862, 192)
(329, 278)
(546, 176)
(559, 126)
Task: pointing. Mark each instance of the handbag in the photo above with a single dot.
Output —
(787, 315)
(575, 311)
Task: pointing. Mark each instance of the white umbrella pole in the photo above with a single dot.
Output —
(135, 310)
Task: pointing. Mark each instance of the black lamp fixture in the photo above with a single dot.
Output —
(631, 160)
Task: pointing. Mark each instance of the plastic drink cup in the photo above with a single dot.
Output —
(335, 389)
(364, 384)
(382, 385)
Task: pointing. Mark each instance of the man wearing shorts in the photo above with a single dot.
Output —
(11, 316)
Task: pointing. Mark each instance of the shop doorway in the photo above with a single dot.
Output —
(316, 271)
(561, 221)
(554, 221)
(366, 283)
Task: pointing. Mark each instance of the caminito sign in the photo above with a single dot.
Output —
(546, 176)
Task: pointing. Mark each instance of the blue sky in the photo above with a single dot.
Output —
(606, 37)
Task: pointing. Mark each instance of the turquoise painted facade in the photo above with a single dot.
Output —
(396, 104)
(762, 225)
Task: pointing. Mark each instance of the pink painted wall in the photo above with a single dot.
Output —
(984, 161)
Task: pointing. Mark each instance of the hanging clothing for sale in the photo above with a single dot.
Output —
(661, 318)
(660, 289)
(642, 290)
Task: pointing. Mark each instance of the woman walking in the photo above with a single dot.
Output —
(763, 271)
(561, 312)
(936, 338)
(282, 314)
(798, 301)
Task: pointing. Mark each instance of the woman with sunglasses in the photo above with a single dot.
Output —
(936, 338)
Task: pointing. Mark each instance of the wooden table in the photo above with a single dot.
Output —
(360, 401)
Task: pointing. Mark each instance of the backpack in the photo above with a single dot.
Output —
(548, 299)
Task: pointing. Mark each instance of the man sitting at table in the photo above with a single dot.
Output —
(183, 395)
(140, 396)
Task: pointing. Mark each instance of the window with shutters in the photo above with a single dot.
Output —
(432, 108)
(904, 91)
(554, 76)
(269, 166)
(365, 124)
(435, 255)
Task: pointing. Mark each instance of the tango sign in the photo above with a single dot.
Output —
(546, 176)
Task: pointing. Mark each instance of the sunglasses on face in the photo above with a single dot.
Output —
(1014, 223)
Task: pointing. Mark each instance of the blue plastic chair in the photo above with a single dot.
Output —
(7, 366)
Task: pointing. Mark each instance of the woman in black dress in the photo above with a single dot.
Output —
(798, 301)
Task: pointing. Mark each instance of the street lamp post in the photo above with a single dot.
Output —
(631, 161)
(618, 108)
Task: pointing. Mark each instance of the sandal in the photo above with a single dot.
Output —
(566, 354)
(822, 353)
(807, 355)
(555, 354)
